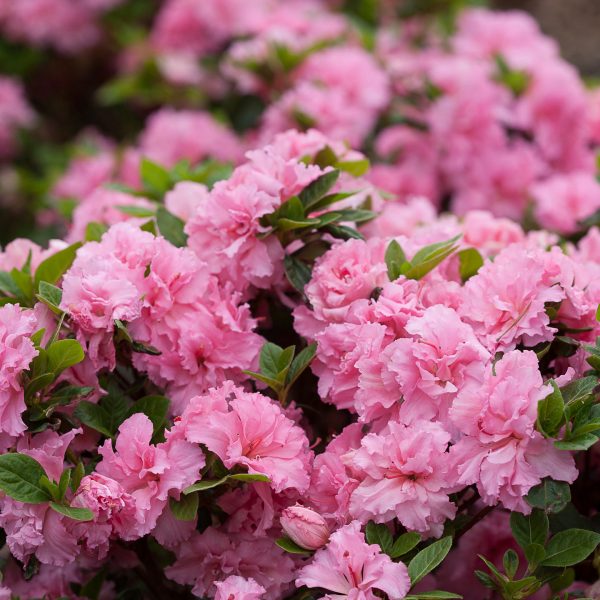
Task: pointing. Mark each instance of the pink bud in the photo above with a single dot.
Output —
(305, 527)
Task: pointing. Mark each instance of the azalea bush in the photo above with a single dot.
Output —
(297, 300)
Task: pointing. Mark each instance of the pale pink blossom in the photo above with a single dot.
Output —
(348, 567)
(238, 588)
(305, 527)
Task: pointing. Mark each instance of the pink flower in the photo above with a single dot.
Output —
(348, 272)
(564, 200)
(249, 430)
(238, 588)
(404, 473)
(15, 113)
(505, 301)
(441, 357)
(16, 353)
(351, 568)
(305, 527)
(114, 513)
(501, 451)
(211, 556)
(171, 136)
(149, 473)
(85, 174)
(185, 198)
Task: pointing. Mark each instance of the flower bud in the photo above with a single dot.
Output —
(305, 527)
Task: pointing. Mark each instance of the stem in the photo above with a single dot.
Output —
(476, 519)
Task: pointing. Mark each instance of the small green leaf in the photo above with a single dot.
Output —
(535, 554)
(529, 529)
(52, 269)
(510, 561)
(94, 231)
(298, 273)
(551, 411)
(186, 508)
(355, 167)
(63, 483)
(570, 547)
(270, 356)
(394, 259)
(154, 177)
(73, 512)
(404, 544)
(428, 559)
(300, 363)
(135, 211)
(205, 484)
(577, 393)
(63, 354)
(582, 441)
(94, 416)
(344, 233)
(20, 478)
(470, 261)
(379, 534)
(8, 285)
(433, 595)
(250, 477)
(550, 496)
(426, 259)
(318, 188)
(288, 545)
(272, 383)
(50, 295)
(171, 227)
(325, 157)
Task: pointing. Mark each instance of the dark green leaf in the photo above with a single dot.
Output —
(289, 225)
(433, 595)
(250, 477)
(577, 393)
(570, 547)
(428, 559)
(550, 496)
(63, 483)
(551, 411)
(63, 354)
(535, 554)
(75, 513)
(344, 233)
(300, 363)
(186, 508)
(582, 441)
(298, 273)
(379, 534)
(94, 416)
(404, 544)
(171, 227)
(205, 484)
(8, 285)
(272, 383)
(325, 157)
(50, 294)
(529, 529)
(289, 546)
(20, 478)
(318, 188)
(52, 269)
(154, 407)
(510, 561)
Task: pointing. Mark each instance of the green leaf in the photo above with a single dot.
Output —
(582, 441)
(485, 579)
(325, 157)
(53, 268)
(154, 177)
(330, 199)
(269, 360)
(63, 483)
(8, 285)
(94, 416)
(570, 547)
(551, 411)
(24, 283)
(470, 261)
(404, 544)
(356, 215)
(145, 349)
(355, 167)
(250, 477)
(297, 272)
(205, 484)
(272, 383)
(535, 554)
(94, 231)
(154, 407)
(300, 363)
(289, 225)
(428, 559)
(38, 383)
(292, 209)
(550, 496)
(20, 478)
(379, 534)
(135, 211)
(69, 392)
(186, 508)
(344, 233)
(577, 393)
(116, 408)
(529, 529)
(171, 227)
(290, 546)
(426, 259)
(73, 512)
(50, 295)
(92, 588)
(318, 188)
(510, 561)
(63, 354)
(394, 259)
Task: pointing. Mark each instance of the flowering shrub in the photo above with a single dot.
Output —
(316, 316)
